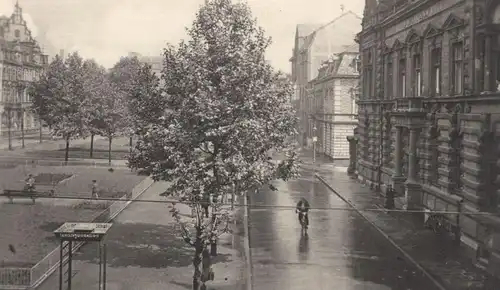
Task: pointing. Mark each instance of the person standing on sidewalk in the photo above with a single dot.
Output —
(95, 189)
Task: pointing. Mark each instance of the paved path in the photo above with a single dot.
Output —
(146, 253)
(342, 251)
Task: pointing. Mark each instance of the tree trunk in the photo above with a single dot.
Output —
(130, 144)
(66, 153)
(41, 133)
(9, 115)
(197, 261)
(110, 139)
(22, 129)
(92, 145)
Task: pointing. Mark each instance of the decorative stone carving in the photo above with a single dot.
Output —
(380, 70)
(479, 15)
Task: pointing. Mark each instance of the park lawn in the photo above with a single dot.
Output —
(29, 227)
(119, 150)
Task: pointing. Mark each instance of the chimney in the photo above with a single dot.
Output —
(61, 53)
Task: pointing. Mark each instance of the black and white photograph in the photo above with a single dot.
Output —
(249, 145)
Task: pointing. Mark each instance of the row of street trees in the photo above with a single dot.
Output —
(210, 126)
(78, 98)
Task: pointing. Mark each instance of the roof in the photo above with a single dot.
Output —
(310, 38)
(304, 29)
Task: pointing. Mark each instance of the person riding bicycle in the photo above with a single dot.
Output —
(302, 209)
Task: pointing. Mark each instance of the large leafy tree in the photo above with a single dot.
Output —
(115, 114)
(95, 80)
(125, 78)
(225, 109)
(60, 98)
(146, 103)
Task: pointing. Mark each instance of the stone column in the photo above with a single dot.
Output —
(353, 140)
(413, 190)
(398, 178)
(330, 152)
(487, 61)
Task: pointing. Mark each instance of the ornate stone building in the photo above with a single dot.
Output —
(333, 97)
(314, 44)
(21, 62)
(429, 112)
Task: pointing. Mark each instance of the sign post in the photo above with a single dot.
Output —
(81, 232)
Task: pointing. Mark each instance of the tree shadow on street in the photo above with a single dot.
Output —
(144, 245)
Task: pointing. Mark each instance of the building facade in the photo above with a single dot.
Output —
(429, 113)
(332, 103)
(21, 62)
(156, 62)
(314, 44)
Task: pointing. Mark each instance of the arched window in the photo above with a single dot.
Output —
(17, 33)
(414, 42)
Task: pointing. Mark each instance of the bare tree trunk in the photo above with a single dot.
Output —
(66, 153)
(92, 145)
(110, 139)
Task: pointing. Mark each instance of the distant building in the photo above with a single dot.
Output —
(156, 62)
(314, 44)
(21, 62)
(331, 103)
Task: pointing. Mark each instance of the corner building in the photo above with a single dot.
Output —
(429, 113)
(21, 63)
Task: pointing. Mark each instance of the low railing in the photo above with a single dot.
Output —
(15, 278)
(17, 161)
(22, 278)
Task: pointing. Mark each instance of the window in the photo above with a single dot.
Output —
(417, 76)
(402, 77)
(368, 75)
(17, 33)
(390, 78)
(457, 68)
(435, 89)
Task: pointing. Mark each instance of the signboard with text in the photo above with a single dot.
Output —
(82, 231)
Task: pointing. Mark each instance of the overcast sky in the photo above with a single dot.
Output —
(108, 29)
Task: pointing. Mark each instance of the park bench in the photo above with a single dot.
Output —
(11, 194)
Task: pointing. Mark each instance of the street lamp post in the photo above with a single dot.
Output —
(315, 139)
(9, 120)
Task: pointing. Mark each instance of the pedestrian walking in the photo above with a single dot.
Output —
(95, 193)
(29, 183)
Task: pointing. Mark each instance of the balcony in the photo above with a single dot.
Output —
(409, 105)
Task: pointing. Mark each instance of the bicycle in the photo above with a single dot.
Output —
(303, 222)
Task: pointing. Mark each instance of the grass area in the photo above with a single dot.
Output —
(119, 150)
(29, 227)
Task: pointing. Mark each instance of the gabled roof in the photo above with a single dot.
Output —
(310, 38)
(305, 29)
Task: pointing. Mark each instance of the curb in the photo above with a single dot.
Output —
(386, 236)
(246, 245)
(78, 246)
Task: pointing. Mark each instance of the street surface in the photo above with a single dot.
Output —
(342, 251)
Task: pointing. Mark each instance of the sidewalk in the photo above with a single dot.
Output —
(441, 258)
(145, 251)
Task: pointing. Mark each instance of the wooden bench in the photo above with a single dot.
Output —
(11, 194)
